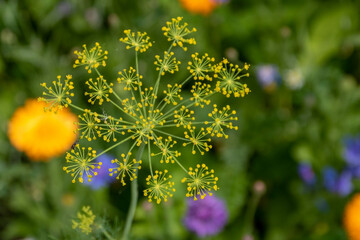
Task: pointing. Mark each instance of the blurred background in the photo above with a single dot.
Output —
(287, 173)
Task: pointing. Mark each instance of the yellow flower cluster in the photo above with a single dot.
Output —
(129, 77)
(168, 64)
(173, 94)
(100, 90)
(92, 58)
(222, 118)
(201, 181)
(160, 187)
(176, 33)
(85, 221)
(88, 125)
(167, 155)
(139, 41)
(184, 117)
(199, 141)
(126, 168)
(228, 76)
(147, 113)
(200, 67)
(58, 95)
(80, 163)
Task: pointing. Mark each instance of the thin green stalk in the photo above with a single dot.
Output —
(172, 155)
(188, 106)
(107, 85)
(137, 71)
(182, 84)
(106, 233)
(100, 115)
(157, 83)
(134, 199)
(114, 146)
(186, 80)
(171, 135)
(250, 213)
(175, 125)
(171, 111)
(76, 107)
(149, 152)
(118, 107)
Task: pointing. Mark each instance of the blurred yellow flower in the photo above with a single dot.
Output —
(352, 218)
(204, 7)
(41, 135)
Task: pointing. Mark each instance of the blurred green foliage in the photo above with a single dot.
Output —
(318, 40)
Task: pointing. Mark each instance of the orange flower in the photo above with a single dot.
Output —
(352, 218)
(204, 7)
(41, 135)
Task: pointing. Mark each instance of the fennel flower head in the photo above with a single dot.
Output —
(150, 114)
(41, 135)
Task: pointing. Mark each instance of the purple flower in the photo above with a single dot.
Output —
(306, 173)
(352, 151)
(221, 1)
(103, 178)
(268, 75)
(344, 183)
(335, 183)
(64, 8)
(329, 178)
(206, 216)
(355, 171)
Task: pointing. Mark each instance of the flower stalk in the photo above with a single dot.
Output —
(134, 199)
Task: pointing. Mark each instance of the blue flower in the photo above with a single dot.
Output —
(335, 183)
(206, 217)
(329, 178)
(103, 178)
(306, 173)
(268, 76)
(355, 171)
(352, 151)
(344, 183)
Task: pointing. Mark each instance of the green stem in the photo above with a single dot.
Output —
(157, 83)
(250, 213)
(100, 115)
(171, 135)
(172, 155)
(137, 71)
(181, 85)
(149, 152)
(107, 85)
(134, 198)
(106, 233)
(171, 111)
(175, 125)
(76, 107)
(114, 146)
(118, 107)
